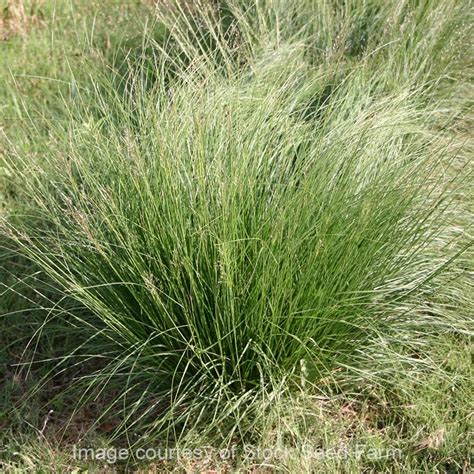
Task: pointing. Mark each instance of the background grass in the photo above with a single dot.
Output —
(372, 100)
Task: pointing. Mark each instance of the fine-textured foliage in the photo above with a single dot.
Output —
(258, 205)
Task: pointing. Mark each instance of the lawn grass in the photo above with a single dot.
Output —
(244, 226)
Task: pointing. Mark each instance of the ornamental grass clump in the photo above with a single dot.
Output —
(252, 221)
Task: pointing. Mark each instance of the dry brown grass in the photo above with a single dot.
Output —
(16, 18)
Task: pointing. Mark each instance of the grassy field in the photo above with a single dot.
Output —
(236, 236)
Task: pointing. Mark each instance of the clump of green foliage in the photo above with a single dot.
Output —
(264, 202)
